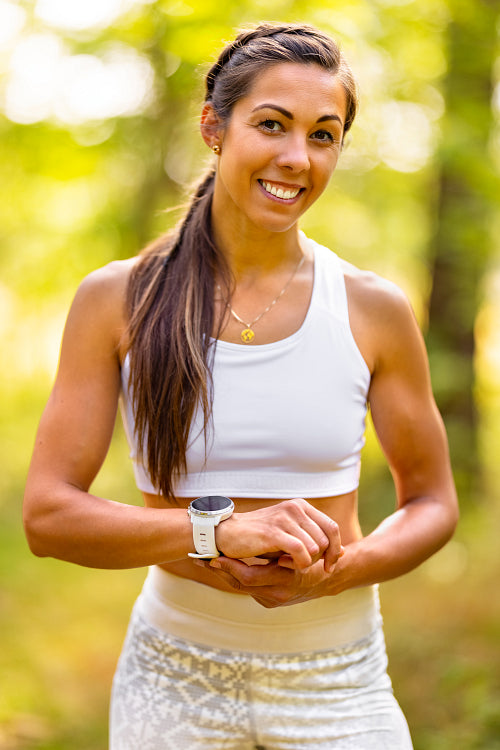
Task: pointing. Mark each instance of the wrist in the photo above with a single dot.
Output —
(223, 534)
(343, 575)
(206, 513)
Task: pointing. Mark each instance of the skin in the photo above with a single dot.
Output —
(286, 132)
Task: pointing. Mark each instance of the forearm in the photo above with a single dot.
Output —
(399, 544)
(98, 533)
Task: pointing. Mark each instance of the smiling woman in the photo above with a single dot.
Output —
(283, 138)
(258, 625)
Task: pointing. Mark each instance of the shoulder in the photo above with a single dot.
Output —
(381, 316)
(98, 308)
(381, 296)
(366, 288)
(108, 281)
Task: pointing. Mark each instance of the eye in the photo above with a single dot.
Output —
(271, 126)
(324, 136)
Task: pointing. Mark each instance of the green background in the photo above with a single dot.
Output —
(89, 167)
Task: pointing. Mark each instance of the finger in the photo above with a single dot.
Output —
(270, 598)
(297, 534)
(331, 562)
(223, 571)
(249, 577)
(313, 537)
(316, 530)
(298, 546)
(333, 551)
(332, 532)
(285, 561)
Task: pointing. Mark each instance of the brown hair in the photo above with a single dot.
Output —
(170, 297)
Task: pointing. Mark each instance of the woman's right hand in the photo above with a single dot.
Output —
(293, 529)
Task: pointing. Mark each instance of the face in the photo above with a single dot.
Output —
(280, 147)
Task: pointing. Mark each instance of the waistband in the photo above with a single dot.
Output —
(199, 613)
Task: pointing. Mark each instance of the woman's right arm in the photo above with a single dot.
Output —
(62, 519)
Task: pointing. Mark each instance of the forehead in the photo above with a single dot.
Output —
(297, 87)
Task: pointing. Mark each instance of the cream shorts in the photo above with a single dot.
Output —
(178, 687)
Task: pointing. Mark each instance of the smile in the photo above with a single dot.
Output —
(279, 192)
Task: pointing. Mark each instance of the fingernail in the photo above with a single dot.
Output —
(215, 564)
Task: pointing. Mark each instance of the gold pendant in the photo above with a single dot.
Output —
(247, 335)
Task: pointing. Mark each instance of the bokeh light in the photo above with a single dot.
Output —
(46, 82)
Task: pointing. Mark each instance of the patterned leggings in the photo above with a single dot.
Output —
(172, 694)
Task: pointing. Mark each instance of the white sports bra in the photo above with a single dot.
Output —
(288, 417)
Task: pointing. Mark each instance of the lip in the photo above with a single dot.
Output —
(281, 186)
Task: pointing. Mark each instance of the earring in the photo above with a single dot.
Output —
(216, 149)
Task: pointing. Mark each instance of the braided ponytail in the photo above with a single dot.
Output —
(171, 318)
(170, 296)
(232, 75)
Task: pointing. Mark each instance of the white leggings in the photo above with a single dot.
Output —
(170, 693)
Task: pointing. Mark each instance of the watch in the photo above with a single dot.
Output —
(206, 513)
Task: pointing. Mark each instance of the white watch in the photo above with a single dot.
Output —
(206, 513)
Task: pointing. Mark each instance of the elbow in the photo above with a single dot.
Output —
(37, 525)
(35, 537)
(455, 518)
(450, 519)
(453, 522)
(36, 548)
(454, 512)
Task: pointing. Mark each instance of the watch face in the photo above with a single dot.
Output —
(211, 503)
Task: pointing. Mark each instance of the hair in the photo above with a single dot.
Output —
(170, 295)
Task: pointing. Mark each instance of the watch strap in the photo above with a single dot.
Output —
(204, 537)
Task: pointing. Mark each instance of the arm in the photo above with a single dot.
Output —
(64, 520)
(413, 439)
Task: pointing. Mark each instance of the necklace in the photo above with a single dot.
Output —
(247, 335)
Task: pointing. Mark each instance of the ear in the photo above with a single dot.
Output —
(210, 125)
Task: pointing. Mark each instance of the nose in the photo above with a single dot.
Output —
(294, 154)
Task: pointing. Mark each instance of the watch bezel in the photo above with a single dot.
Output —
(211, 513)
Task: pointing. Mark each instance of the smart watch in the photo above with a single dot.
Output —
(206, 513)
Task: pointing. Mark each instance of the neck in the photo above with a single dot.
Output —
(251, 251)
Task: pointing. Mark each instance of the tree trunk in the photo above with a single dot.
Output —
(467, 189)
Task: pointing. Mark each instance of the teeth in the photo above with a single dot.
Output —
(279, 192)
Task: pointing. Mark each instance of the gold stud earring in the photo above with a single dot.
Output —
(216, 149)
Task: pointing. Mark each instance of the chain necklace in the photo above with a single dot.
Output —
(247, 335)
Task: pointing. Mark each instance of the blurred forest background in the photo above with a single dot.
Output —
(99, 103)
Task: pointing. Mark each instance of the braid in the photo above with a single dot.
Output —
(243, 39)
(200, 191)
(232, 75)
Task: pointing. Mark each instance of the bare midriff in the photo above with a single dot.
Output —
(343, 509)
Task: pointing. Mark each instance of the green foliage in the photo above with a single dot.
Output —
(77, 192)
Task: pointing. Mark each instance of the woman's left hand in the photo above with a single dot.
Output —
(272, 584)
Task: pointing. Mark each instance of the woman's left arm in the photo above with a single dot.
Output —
(413, 438)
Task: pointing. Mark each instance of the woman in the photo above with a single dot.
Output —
(246, 356)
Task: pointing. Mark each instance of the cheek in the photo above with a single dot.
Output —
(327, 168)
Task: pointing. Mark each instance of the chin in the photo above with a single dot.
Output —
(278, 224)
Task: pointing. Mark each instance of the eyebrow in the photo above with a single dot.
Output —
(289, 115)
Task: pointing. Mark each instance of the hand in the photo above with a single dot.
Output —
(271, 585)
(294, 531)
